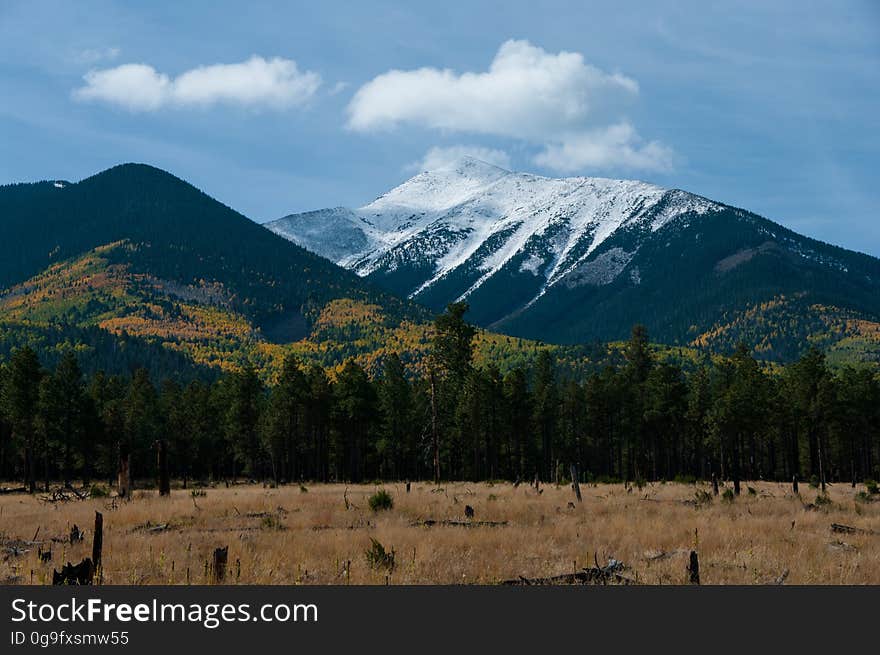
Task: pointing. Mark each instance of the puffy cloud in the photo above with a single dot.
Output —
(615, 146)
(439, 157)
(558, 101)
(256, 83)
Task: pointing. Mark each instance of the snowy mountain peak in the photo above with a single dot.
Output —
(440, 188)
(445, 234)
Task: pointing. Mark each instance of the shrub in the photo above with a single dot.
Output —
(198, 493)
(872, 486)
(640, 483)
(303, 489)
(821, 500)
(378, 557)
(98, 491)
(492, 497)
(271, 523)
(728, 495)
(381, 500)
(752, 491)
(814, 482)
(685, 479)
(702, 497)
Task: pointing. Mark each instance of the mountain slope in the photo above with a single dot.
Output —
(175, 233)
(575, 259)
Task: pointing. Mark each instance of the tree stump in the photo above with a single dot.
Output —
(74, 574)
(714, 484)
(794, 484)
(693, 568)
(220, 558)
(98, 544)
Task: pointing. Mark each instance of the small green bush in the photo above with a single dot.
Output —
(378, 557)
(303, 489)
(702, 497)
(814, 482)
(872, 486)
(752, 491)
(728, 495)
(381, 500)
(821, 500)
(271, 523)
(98, 491)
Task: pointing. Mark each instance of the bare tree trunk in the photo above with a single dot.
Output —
(434, 435)
(162, 462)
(123, 478)
(575, 482)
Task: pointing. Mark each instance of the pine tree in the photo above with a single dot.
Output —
(20, 398)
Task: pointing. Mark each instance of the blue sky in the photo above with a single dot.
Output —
(281, 107)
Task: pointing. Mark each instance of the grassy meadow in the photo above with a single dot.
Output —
(320, 534)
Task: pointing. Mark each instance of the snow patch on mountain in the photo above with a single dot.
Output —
(472, 219)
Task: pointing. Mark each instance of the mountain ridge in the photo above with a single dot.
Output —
(573, 259)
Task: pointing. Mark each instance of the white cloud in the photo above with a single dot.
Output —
(439, 157)
(615, 146)
(256, 83)
(558, 101)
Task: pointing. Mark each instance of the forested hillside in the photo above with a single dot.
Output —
(644, 417)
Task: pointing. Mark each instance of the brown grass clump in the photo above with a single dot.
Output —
(285, 536)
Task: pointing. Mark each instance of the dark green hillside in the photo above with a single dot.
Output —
(691, 278)
(180, 234)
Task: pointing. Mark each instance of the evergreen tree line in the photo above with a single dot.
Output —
(643, 420)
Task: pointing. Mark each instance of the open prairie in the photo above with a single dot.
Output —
(320, 534)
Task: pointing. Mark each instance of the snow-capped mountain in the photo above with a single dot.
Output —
(577, 258)
(459, 226)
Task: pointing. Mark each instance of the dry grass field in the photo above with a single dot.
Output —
(291, 535)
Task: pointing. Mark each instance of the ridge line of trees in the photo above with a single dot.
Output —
(643, 420)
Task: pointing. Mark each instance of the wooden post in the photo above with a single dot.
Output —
(575, 482)
(694, 568)
(98, 546)
(714, 484)
(794, 484)
(220, 557)
(162, 464)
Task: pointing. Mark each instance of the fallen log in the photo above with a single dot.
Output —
(848, 529)
(459, 524)
(597, 575)
(152, 528)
